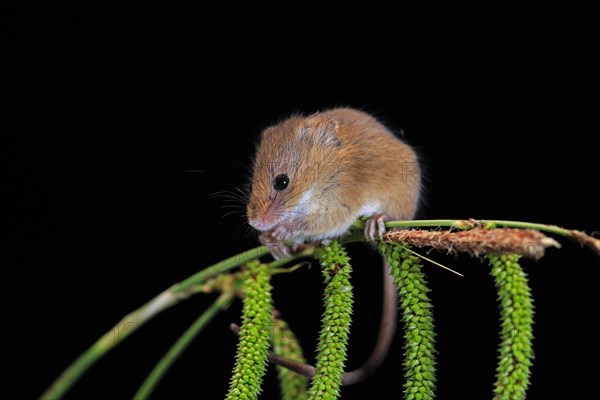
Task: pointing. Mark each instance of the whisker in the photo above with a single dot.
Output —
(228, 195)
(249, 234)
(241, 210)
(231, 199)
(230, 213)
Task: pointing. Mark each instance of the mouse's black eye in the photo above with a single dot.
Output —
(281, 182)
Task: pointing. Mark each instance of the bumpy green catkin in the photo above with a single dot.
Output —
(251, 358)
(516, 314)
(333, 339)
(417, 318)
(293, 386)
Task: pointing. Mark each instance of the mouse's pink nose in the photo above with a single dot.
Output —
(263, 221)
(262, 224)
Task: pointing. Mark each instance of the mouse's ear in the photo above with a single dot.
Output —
(322, 129)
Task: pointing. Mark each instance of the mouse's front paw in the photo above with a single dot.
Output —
(281, 250)
(274, 236)
(374, 227)
(275, 241)
(281, 233)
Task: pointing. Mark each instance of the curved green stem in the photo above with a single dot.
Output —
(137, 318)
(578, 236)
(110, 339)
(219, 267)
(463, 224)
(182, 343)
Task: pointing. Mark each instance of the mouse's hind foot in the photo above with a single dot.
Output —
(374, 227)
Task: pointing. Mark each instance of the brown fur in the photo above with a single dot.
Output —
(347, 158)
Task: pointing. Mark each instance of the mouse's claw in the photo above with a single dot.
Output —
(275, 236)
(280, 251)
(277, 248)
(281, 233)
(374, 227)
(275, 241)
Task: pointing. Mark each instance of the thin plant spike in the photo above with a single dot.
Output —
(516, 315)
(335, 328)
(293, 386)
(417, 319)
(251, 357)
(182, 343)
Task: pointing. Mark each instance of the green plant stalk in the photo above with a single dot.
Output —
(137, 318)
(220, 267)
(222, 303)
(417, 318)
(110, 339)
(251, 358)
(462, 224)
(285, 344)
(516, 313)
(335, 328)
(171, 296)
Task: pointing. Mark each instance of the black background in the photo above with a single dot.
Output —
(119, 131)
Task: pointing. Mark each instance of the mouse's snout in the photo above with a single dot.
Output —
(261, 223)
(262, 218)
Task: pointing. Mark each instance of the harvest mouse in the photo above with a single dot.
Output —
(313, 176)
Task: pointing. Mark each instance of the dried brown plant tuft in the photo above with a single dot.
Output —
(525, 242)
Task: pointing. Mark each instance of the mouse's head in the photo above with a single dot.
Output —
(296, 165)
